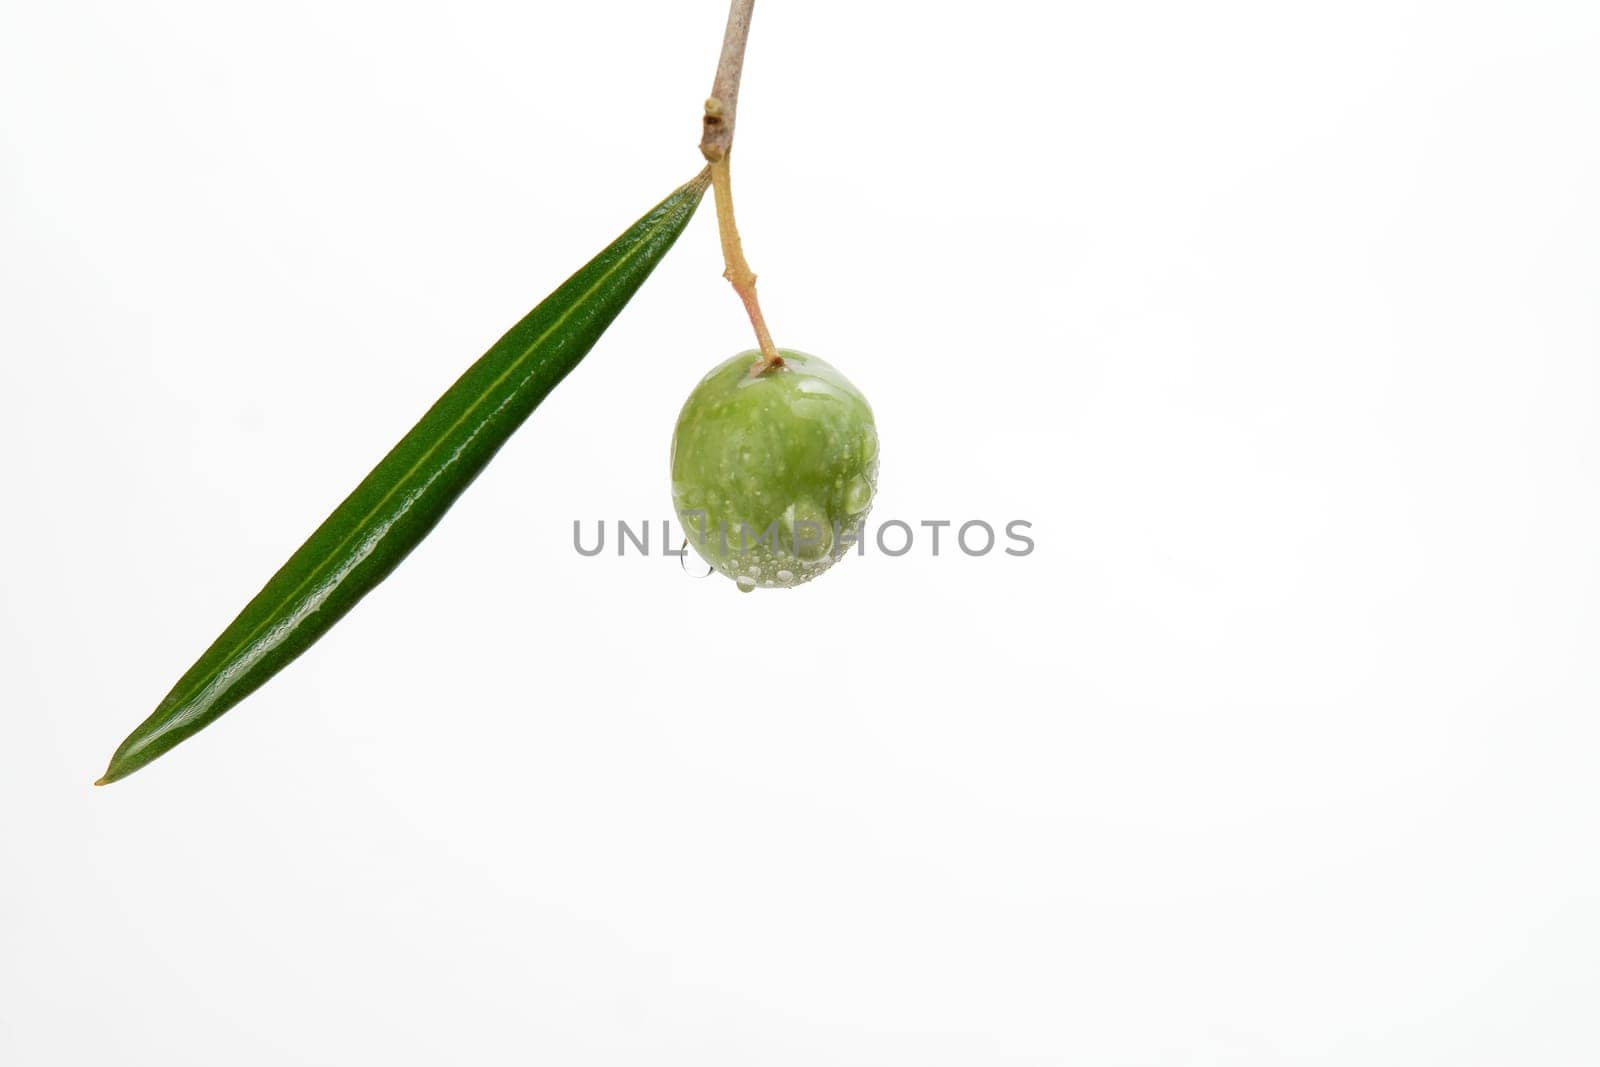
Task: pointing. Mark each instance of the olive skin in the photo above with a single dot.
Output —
(773, 474)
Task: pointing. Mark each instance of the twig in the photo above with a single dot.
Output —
(716, 144)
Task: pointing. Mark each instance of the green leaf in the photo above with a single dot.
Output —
(396, 506)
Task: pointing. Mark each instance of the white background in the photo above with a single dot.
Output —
(1278, 321)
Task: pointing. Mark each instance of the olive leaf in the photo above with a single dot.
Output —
(406, 494)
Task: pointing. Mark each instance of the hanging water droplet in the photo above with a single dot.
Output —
(683, 561)
(745, 583)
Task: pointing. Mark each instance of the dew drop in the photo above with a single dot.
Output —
(683, 561)
(858, 495)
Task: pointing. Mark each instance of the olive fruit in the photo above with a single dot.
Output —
(773, 473)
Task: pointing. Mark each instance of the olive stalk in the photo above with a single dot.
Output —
(716, 144)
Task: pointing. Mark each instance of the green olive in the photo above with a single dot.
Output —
(773, 474)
